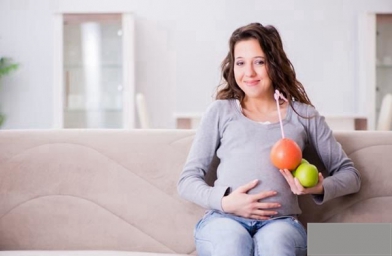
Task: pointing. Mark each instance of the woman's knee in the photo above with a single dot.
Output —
(221, 228)
(223, 236)
(286, 234)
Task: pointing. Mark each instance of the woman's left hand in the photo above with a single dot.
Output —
(298, 189)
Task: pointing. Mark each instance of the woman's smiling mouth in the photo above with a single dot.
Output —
(252, 82)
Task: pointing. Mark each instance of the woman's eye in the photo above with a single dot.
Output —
(259, 62)
(239, 63)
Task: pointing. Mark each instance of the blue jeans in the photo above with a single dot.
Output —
(222, 234)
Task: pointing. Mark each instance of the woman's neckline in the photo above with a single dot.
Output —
(238, 107)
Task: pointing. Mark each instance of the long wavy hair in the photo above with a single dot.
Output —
(279, 68)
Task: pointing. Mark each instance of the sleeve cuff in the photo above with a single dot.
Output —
(215, 199)
(328, 192)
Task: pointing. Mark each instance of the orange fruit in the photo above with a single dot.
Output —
(286, 154)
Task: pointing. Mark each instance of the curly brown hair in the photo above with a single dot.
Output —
(280, 70)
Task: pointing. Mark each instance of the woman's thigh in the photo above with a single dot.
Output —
(282, 236)
(217, 234)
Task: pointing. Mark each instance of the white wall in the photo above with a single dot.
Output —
(179, 47)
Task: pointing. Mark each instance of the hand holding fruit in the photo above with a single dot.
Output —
(306, 173)
(305, 179)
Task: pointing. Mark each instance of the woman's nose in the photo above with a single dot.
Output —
(250, 71)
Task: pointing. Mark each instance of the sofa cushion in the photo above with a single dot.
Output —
(116, 190)
(95, 190)
(370, 152)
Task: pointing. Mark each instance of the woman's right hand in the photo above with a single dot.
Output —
(241, 204)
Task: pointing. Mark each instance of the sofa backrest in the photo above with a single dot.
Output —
(116, 189)
(94, 190)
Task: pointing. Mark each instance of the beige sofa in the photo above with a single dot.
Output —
(113, 192)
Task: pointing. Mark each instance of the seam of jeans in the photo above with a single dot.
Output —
(301, 230)
(208, 242)
(255, 248)
(205, 216)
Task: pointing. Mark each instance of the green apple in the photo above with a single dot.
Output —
(307, 174)
(304, 161)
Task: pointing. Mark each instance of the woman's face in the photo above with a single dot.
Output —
(250, 69)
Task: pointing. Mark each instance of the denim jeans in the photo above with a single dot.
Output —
(222, 234)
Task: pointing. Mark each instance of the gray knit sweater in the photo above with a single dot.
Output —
(243, 147)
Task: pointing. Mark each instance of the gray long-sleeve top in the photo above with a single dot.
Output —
(243, 147)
